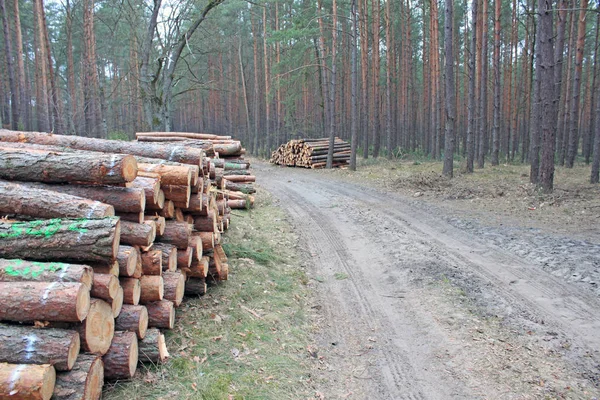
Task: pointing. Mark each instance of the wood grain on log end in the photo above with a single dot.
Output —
(97, 330)
(83, 382)
(120, 362)
(26, 381)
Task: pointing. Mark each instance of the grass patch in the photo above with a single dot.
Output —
(247, 338)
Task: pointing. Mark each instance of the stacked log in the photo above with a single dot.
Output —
(311, 153)
(102, 241)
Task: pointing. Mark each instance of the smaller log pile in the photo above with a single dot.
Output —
(311, 153)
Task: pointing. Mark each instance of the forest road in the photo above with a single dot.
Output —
(411, 307)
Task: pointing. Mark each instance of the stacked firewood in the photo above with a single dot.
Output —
(99, 243)
(311, 153)
(228, 167)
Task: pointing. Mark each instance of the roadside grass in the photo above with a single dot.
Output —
(247, 337)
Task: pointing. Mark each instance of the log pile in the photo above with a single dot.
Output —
(311, 153)
(99, 242)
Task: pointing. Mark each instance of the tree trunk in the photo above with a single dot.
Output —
(33, 271)
(134, 319)
(472, 105)
(120, 362)
(497, 91)
(354, 89)
(174, 287)
(153, 349)
(24, 106)
(134, 234)
(534, 174)
(364, 56)
(448, 169)
(14, 94)
(105, 286)
(84, 381)
(332, 83)
(41, 87)
(127, 258)
(177, 234)
(97, 330)
(483, 97)
(375, 8)
(27, 382)
(595, 174)
(152, 262)
(56, 100)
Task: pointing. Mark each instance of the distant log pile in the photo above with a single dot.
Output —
(311, 153)
(99, 242)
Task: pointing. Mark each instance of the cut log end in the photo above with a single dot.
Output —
(98, 329)
(117, 303)
(83, 302)
(120, 362)
(85, 381)
(130, 168)
(24, 381)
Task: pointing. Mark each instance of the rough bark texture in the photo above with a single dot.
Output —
(137, 234)
(97, 330)
(43, 301)
(152, 262)
(169, 174)
(105, 286)
(168, 210)
(196, 244)
(161, 314)
(152, 349)
(169, 255)
(110, 269)
(184, 258)
(198, 269)
(174, 287)
(83, 382)
(95, 240)
(34, 271)
(29, 345)
(127, 258)
(120, 362)
(208, 240)
(170, 152)
(21, 199)
(26, 382)
(150, 186)
(131, 290)
(177, 234)
(134, 319)
(195, 287)
(158, 221)
(152, 288)
(179, 194)
(49, 166)
(206, 223)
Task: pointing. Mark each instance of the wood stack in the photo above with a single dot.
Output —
(100, 241)
(311, 153)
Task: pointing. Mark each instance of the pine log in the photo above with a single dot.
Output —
(173, 152)
(116, 304)
(137, 234)
(208, 240)
(174, 287)
(179, 194)
(195, 287)
(95, 240)
(169, 255)
(127, 258)
(199, 186)
(237, 204)
(198, 269)
(152, 288)
(134, 319)
(206, 146)
(96, 331)
(206, 223)
(161, 314)
(189, 135)
(48, 166)
(34, 271)
(150, 186)
(109, 269)
(152, 262)
(105, 286)
(29, 345)
(168, 211)
(196, 244)
(229, 164)
(132, 290)
(26, 381)
(83, 382)
(44, 301)
(184, 257)
(169, 174)
(239, 187)
(153, 349)
(157, 205)
(177, 234)
(137, 273)
(226, 174)
(159, 222)
(194, 205)
(120, 362)
(16, 198)
(241, 178)
(138, 218)
(179, 215)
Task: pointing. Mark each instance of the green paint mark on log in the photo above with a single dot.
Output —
(36, 269)
(42, 228)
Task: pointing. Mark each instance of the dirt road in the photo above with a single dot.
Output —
(412, 304)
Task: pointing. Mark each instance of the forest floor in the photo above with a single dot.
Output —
(478, 288)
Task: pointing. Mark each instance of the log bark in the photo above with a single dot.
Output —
(97, 330)
(127, 258)
(195, 287)
(109, 269)
(173, 152)
(22, 199)
(239, 187)
(240, 178)
(198, 269)
(29, 345)
(152, 262)
(189, 135)
(206, 223)
(196, 244)
(184, 258)
(43, 301)
(152, 288)
(34, 271)
(137, 234)
(169, 174)
(105, 286)
(208, 240)
(132, 290)
(61, 239)
(159, 222)
(83, 382)
(138, 218)
(116, 304)
(47, 166)
(205, 146)
(26, 382)
(133, 319)
(150, 186)
(179, 194)
(174, 287)
(237, 204)
(161, 314)
(177, 234)
(120, 362)
(168, 211)
(153, 349)
(194, 206)
(157, 205)
(169, 255)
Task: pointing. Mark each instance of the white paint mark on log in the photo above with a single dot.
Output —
(93, 209)
(47, 292)
(173, 153)
(111, 167)
(30, 349)
(14, 378)
(65, 268)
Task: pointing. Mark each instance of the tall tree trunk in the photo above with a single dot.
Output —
(353, 89)
(72, 117)
(14, 94)
(57, 118)
(483, 97)
(267, 85)
(595, 174)
(90, 106)
(256, 83)
(375, 7)
(24, 106)
(448, 169)
(472, 112)
(574, 128)
(389, 44)
(534, 173)
(593, 121)
(364, 65)
(497, 69)
(41, 77)
(329, 163)
(244, 92)
(563, 123)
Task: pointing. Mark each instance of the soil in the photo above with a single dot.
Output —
(418, 296)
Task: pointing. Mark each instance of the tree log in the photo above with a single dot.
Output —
(195, 287)
(138, 218)
(206, 146)
(196, 244)
(184, 257)
(83, 382)
(137, 234)
(174, 287)
(161, 314)
(152, 262)
(206, 223)
(237, 204)
(105, 286)
(34, 271)
(153, 349)
(43, 301)
(29, 345)
(179, 194)
(26, 381)
(132, 290)
(158, 221)
(120, 362)
(127, 258)
(134, 319)
(169, 255)
(177, 234)
(157, 205)
(240, 178)
(169, 174)
(152, 288)
(150, 186)
(116, 304)
(239, 187)
(109, 269)
(198, 269)
(95, 240)
(96, 331)
(208, 240)
(189, 135)
(173, 152)
(22, 199)
(168, 211)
